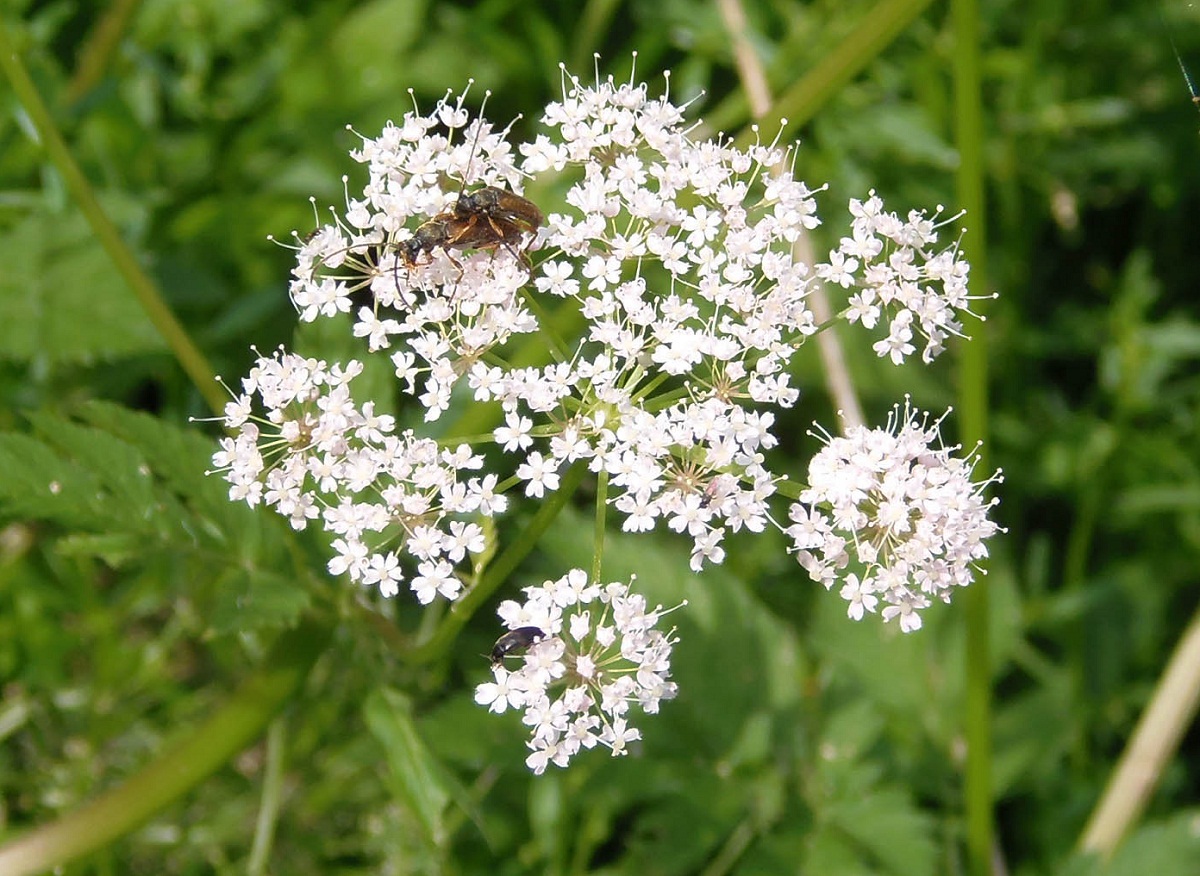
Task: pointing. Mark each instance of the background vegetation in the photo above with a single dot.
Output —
(800, 742)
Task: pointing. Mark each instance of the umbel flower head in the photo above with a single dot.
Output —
(314, 453)
(677, 260)
(599, 657)
(676, 254)
(899, 504)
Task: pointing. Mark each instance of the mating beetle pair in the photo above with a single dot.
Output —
(486, 218)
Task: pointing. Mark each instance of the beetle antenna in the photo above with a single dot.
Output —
(474, 143)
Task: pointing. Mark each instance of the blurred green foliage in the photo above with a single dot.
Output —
(800, 742)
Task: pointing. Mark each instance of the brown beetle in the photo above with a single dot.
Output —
(496, 217)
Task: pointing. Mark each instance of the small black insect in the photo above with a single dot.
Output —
(515, 640)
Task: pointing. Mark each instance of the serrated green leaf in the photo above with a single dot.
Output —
(179, 455)
(256, 592)
(62, 298)
(122, 472)
(257, 599)
(131, 488)
(890, 831)
(38, 484)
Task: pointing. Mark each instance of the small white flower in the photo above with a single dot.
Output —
(434, 578)
(539, 473)
(514, 435)
(506, 692)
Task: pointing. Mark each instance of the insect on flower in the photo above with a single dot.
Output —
(493, 217)
(487, 218)
(717, 490)
(515, 640)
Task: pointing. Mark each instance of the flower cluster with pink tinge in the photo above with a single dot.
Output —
(900, 505)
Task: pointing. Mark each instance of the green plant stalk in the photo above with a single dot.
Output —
(180, 768)
(189, 356)
(101, 45)
(563, 321)
(554, 342)
(601, 513)
(498, 571)
(972, 405)
(799, 103)
(1089, 503)
(592, 24)
(272, 796)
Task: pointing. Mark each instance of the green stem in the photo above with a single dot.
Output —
(801, 101)
(189, 356)
(643, 392)
(101, 46)
(591, 24)
(565, 321)
(554, 342)
(972, 405)
(181, 767)
(601, 512)
(272, 795)
(499, 570)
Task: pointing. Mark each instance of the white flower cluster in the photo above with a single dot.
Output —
(903, 506)
(450, 308)
(679, 259)
(598, 652)
(678, 256)
(901, 277)
(314, 453)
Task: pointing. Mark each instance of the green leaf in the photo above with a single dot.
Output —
(131, 489)
(254, 600)
(61, 297)
(1168, 848)
(37, 483)
(417, 777)
(178, 456)
(123, 473)
(889, 831)
(117, 549)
